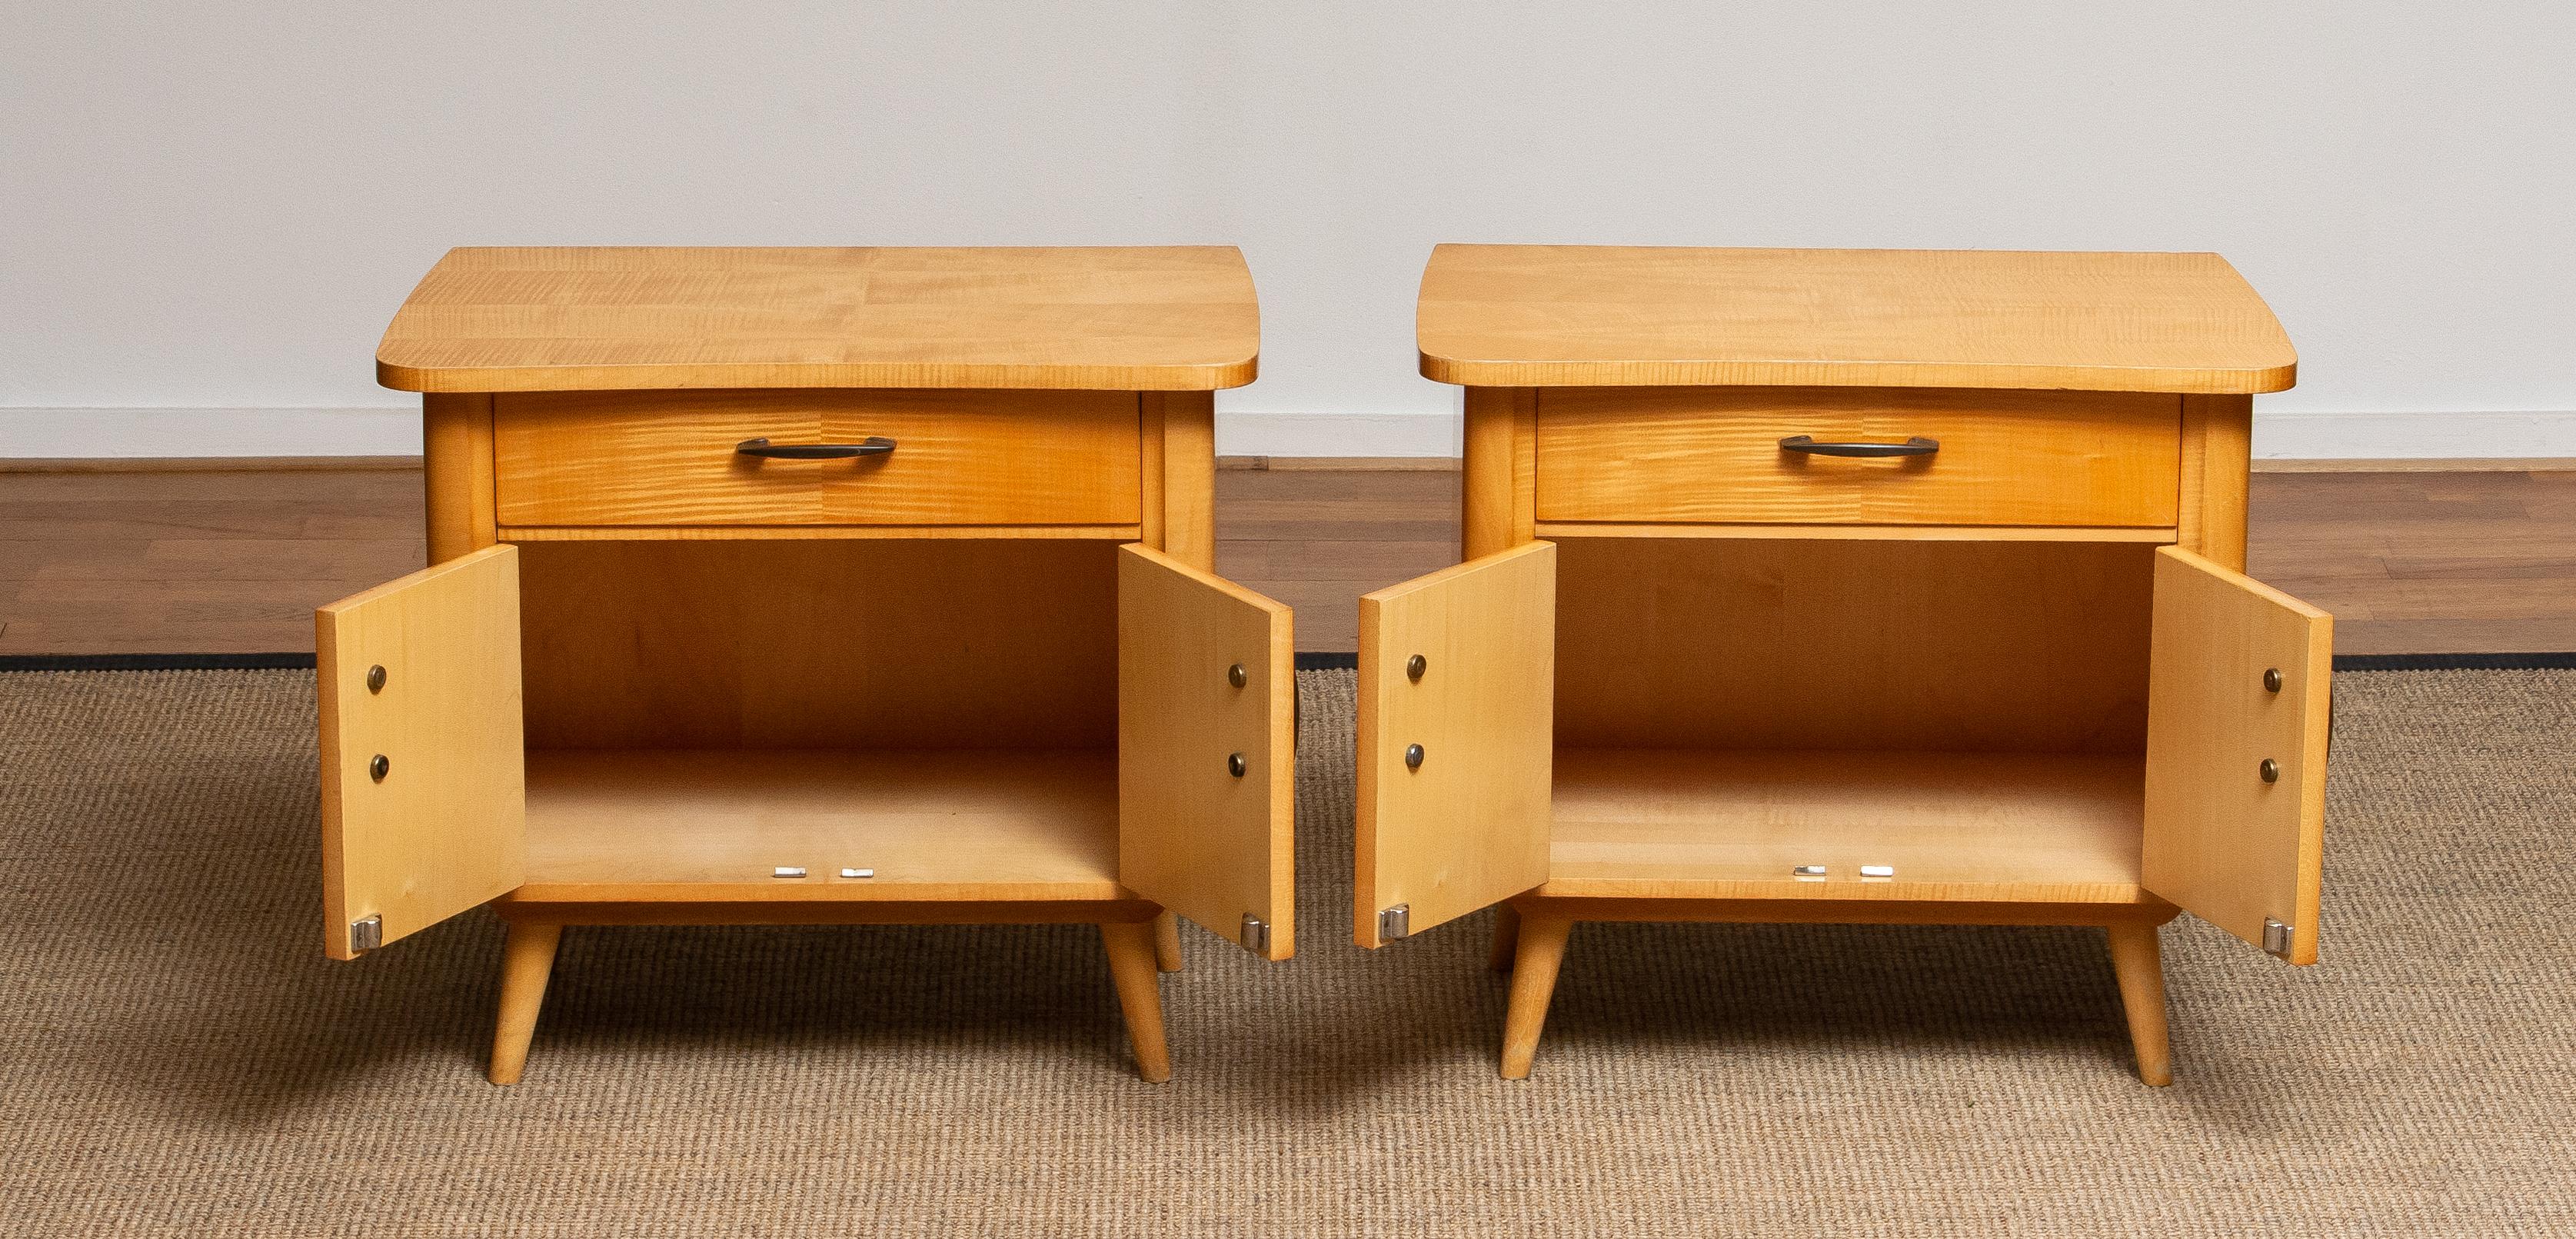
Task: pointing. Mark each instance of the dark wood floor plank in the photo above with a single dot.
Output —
(235, 561)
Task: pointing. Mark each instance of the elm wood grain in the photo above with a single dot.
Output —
(235, 560)
(1163, 318)
(1654, 455)
(1195, 835)
(1467, 826)
(960, 458)
(871, 644)
(2138, 962)
(1539, 939)
(1980, 827)
(711, 826)
(1132, 968)
(1581, 315)
(2223, 843)
(442, 827)
(1874, 645)
(527, 962)
(2217, 447)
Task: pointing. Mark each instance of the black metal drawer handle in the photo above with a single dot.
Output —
(873, 445)
(1916, 446)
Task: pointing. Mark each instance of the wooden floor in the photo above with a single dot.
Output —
(234, 561)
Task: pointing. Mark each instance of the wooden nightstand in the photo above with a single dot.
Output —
(814, 586)
(1845, 586)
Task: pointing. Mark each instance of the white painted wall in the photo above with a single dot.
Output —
(211, 209)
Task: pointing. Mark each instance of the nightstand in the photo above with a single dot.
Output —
(814, 586)
(1845, 586)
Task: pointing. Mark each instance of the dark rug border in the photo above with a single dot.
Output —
(1305, 662)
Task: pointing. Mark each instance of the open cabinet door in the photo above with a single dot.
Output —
(1456, 751)
(1207, 756)
(2239, 681)
(424, 769)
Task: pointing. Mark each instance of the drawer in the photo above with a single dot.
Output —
(1686, 455)
(959, 458)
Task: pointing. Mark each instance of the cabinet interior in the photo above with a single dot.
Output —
(940, 712)
(1970, 714)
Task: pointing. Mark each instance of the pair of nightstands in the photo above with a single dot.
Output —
(872, 586)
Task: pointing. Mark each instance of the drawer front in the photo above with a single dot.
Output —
(960, 458)
(1691, 455)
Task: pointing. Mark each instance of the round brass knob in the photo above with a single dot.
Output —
(376, 678)
(2270, 770)
(1413, 757)
(1234, 764)
(1235, 676)
(377, 766)
(2271, 679)
(1414, 666)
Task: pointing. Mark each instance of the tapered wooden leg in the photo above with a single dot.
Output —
(1507, 938)
(527, 960)
(1167, 942)
(1534, 963)
(2139, 963)
(1140, 995)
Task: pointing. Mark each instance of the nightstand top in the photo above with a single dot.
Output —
(1162, 318)
(1582, 316)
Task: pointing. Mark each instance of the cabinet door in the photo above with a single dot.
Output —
(1206, 750)
(424, 772)
(2238, 689)
(1456, 758)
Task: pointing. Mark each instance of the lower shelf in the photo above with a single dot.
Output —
(653, 825)
(2002, 827)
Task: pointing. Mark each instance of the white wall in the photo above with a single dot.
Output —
(211, 209)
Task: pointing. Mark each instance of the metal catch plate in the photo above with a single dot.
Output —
(1256, 934)
(2276, 937)
(1395, 922)
(367, 934)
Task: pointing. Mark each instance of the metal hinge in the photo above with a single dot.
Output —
(1395, 922)
(2276, 937)
(366, 934)
(1256, 934)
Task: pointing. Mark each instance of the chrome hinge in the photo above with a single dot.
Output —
(1256, 934)
(2276, 937)
(1395, 922)
(366, 934)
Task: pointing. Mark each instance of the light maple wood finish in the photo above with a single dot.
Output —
(1140, 995)
(960, 458)
(1586, 316)
(527, 962)
(1193, 836)
(1188, 467)
(2221, 842)
(885, 644)
(1538, 953)
(1468, 828)
(1682, 454)
(1850, 911)
(1500, 490)
(456, 473)
(817, 533)
(1733, 824)
(712, 826)
(830, 912)
(2138, 963)
(443, 830)
(2217, 446)
(1561, 530)
(1164, 318)
(1833, 644)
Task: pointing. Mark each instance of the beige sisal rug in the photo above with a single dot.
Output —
(177, 1058)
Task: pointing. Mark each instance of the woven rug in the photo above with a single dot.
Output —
(179, 1059)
